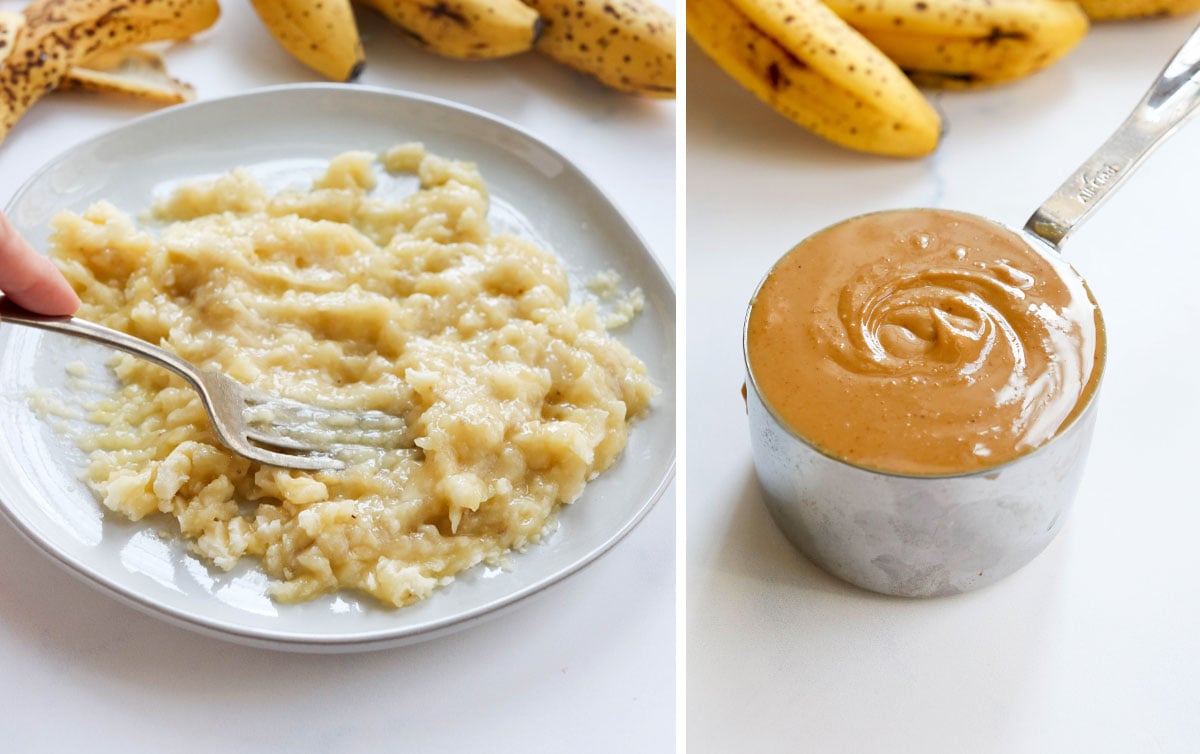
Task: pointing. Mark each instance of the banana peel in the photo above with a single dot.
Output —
(57, 36)
(465, 29)
(804, 61)
(628, 45)
(1109, 10)
(134, 72)
(955, 44)
(322, 34)
(11, 23)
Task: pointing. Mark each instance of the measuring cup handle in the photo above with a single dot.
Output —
(1171, 100)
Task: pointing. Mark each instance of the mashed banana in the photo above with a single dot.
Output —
(512, 398)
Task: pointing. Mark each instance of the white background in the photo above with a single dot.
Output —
(589, 666)
(1095, 646)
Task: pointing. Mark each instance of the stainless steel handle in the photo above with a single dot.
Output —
(10, 312)
(1172, 99)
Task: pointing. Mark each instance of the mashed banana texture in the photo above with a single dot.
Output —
(512, 398)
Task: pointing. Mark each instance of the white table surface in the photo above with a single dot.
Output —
(1093, 647)
(588, 666)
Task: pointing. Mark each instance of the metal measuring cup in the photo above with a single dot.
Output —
(921, 536)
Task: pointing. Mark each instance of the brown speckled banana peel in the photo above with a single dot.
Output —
(133, 72)
(1107, 10)
(321, 34)
(465, 29)
(801, 59)
(58, 34)
(628, 45)
(11, 22)
(963, 43)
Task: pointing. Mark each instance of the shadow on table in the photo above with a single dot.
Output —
(773, 558)
(754, 548)
(781, 639)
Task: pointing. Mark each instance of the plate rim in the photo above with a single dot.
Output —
(383, 637)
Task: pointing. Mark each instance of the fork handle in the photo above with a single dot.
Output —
(10, 312)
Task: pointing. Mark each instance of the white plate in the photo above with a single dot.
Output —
(278, 132)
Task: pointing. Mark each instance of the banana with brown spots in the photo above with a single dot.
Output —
(628, 45)
(1105, 10)
(56, 35)
(133, 70)
(321, 34)
(465, 29)
(801, 59)
(961, 43)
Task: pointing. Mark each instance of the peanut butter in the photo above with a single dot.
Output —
(924, 342)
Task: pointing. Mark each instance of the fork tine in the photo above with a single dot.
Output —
(313, 437)
(315, 462)
(279, 441)
(223, 398)
(225, 401)
(240, 444)
(293, 425)
(270, 408)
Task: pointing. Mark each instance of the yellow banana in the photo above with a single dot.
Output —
(628, 45)
(804, 61)
(1105, 10)
(57, 35)
(465, 29)
(321, 34)
(960, 43)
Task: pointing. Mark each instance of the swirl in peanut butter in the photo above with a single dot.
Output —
(924, 342)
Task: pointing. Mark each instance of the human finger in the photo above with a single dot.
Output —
(30, 279)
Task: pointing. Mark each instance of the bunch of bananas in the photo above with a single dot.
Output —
(848, 70)
(94, 44)
(628, 45)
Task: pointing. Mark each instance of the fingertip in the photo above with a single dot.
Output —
(50, 294)
(63, 302)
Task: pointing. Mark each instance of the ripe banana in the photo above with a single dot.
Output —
(57, 34)
(465, 29)
(1105, 10)
(804, 61)
(321, 34)
(960, 43)
(628, 45)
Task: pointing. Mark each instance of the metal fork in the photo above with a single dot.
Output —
(252, 424)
